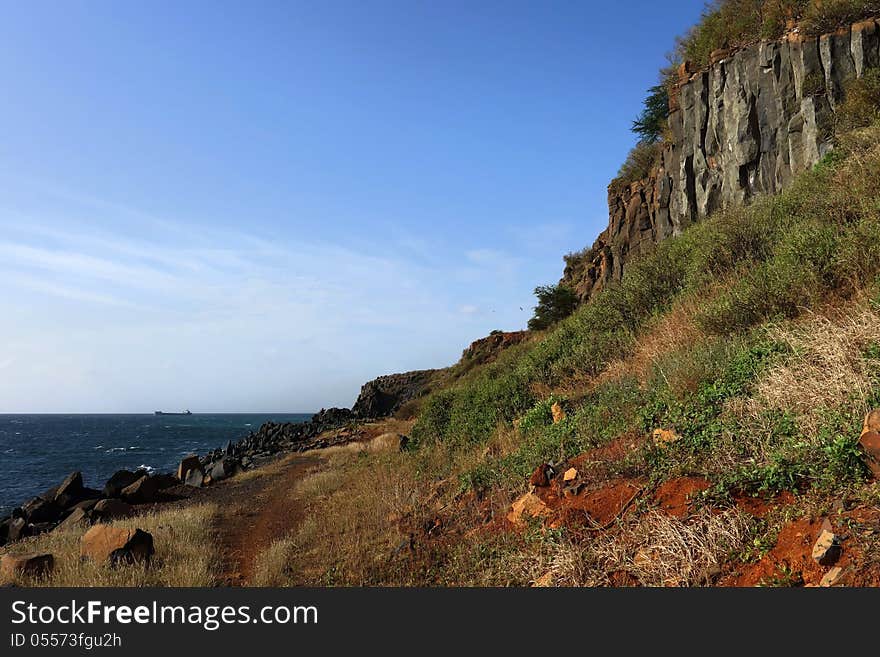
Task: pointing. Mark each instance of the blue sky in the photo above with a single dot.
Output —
(258, 206)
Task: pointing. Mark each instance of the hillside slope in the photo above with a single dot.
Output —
(698, 422)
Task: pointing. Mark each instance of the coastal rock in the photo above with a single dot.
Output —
(194, 478)
(18, 529)
(29, 565)
(70, 491)
(164, 481)
(114, 545)
(188, 463)
(39, 510)
(222, 469)
(143, 491)
(76, 517)
(120, 480)
(384, 395)
(111, 509)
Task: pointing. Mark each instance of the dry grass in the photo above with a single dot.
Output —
(673, 331)
(660, 550)
(181, 536)
(274, 567)
(828, 368)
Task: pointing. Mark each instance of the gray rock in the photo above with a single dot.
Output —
(144, 491)
(194, 478)
(18, 529)
(743, 127)
(106, 510)
(77, 516)
(39, 510)
(119, 480)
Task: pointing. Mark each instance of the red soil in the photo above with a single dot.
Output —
(675, 496)
(789, 562)
(759, 506)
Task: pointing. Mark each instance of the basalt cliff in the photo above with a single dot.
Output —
(744, 126)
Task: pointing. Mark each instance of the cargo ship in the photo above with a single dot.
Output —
(186, 412)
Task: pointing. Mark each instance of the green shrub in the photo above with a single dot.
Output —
(639, 163)
(772, 258)
(861, 107)
(822, 16)
(735, 23)
(555, 303)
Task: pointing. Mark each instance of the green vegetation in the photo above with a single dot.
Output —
(742, 272)
(555, 303)
(652, 121)
(735, 23)
(638, 164)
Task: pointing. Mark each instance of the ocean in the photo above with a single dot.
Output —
(39, 451)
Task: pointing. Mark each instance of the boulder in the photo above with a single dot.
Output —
(143, 491)
(39, 510)
(527, 506)
(111, 509)
(164, 481)
(32, 565)
(194, 478)
(76, 517)
(224, 468)
(120, 480)
(113, 545)
(826, 550)
(70, 489)
(570, 475)
(87, 504)
(191, 462)
(18, 529)
(870, 445)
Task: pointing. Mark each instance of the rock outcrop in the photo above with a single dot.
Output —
(487, 349)
(747, 125)
(383, 396)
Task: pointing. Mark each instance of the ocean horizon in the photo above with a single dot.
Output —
(38, 450)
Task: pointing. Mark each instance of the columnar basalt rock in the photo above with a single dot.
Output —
(745, 126)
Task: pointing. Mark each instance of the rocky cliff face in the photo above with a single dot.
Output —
(745, 126)
(385, 395)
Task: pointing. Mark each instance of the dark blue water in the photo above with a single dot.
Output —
(38, 451)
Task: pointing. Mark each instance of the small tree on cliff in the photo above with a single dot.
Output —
(652, 121)
(555, 303)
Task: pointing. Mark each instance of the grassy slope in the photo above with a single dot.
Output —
(752, 335)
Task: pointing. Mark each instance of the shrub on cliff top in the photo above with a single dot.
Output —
(734, 23)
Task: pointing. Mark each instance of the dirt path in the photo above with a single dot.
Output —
(255, 512)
